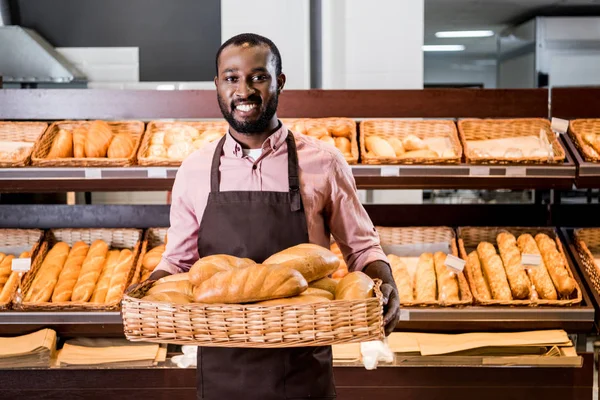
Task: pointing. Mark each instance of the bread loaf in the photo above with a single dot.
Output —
(412, 142)
(425, 281)
(101, 289)
(327, 139)
(556, 265)
(8, 279)
(152, 258)
(354, 286)
(121, 146)
(402, 279)
(419, 154)
(183, 287)
(12, 282)
(206, 267)
(317, 131)
(493, 271)
(539, 275)
(62, 145)
(343, 144)
(174, 278)
(296, 300)
(5, 268)
(473, 267)
(379, 147)
(25, 254)
(90, 272)
(317, 292)
(324, 284)
(249, 284)
(312, 261)
(145, 275)
(79, 137)
(397, 146)
(340, 130)
(520, 286)
(44, 282)
(120, 276)
(70, 272)
(98, 139)
(447, 282)
(169, 297)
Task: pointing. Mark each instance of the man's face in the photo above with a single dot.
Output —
(247, 87)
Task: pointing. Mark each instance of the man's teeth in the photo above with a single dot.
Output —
(245, 107)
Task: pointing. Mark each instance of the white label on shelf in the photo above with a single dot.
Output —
(159, 173)
(479, 171)
(21, 264)
(560, 125)
(93, 173)
(454, 263)
(390, 171)
(531, 260)
(404, 315)
(516, 171)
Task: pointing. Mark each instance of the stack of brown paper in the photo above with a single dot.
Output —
(35, 350)
(346, 353)
(110, 353)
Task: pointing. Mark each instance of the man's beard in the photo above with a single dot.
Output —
(260, 125)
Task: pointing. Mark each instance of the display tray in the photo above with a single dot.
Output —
(588, 172)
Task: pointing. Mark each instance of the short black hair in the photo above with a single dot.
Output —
(253, 40)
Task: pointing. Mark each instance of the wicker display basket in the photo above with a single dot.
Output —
(12, 241)
(470, 237)
(430, 235)
(155, 126)
(486, 129)
(152, 238)
(328, 122)
(580, 127)
(588, 246)
(423, 129)
(252, 326)
(115, 238)
(42, 147)
(28, 132)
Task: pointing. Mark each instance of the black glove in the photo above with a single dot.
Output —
(391, 301)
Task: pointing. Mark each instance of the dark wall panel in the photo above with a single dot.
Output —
(177, 38)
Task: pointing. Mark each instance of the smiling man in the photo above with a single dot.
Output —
(257, 191)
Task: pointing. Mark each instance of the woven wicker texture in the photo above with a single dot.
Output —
(42, 147)
(156, 126)
(328, 123)
(153, 237)
(18, 238)
(402, 128)
(580, 128)
(485, 129)
(114, 238)
(232, 325)
(588, 247)
(20, 132)
(420, 235)
(470, 237)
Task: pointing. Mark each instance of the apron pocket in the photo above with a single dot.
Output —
(309, 373)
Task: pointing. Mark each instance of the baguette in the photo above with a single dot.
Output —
(249, 284)
(70, 272)
(169, 297)
(354, 286)
(152, 258)
(446, 280)
(556, 265)
(98, 139)
(296, 300)
(12, 282)
(90, 272)
(174, 278)
(62, 146)
(324, 284)
(312, 261)
(494, 272)
(79, 137)
(99, 295)
(206, 267)
(120, 276)
(539, 275)
(5, 269)
(425, 281)
(402, 279)
(379, 147)
(43, 285)
(317, 292)
(520, 286)
(183, 287)
(121, 146)
(473, 267)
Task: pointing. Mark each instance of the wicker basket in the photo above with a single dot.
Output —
(486, 129)
(42, 147)
(470, 237)
(420, 235)
(254, 326)
(20, 132)
(152, 238)
(588, 246)
(19, 238)
(155, 126)
(580, 127)
(328, 122)
(115, 238)
(423, 129)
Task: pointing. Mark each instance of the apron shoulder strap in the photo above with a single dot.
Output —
(215, 177)
(293, 174)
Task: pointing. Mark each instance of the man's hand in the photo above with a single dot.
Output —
(156, 275)
(391, 301)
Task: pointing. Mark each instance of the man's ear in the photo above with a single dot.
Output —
(280, 82)
(215, 80)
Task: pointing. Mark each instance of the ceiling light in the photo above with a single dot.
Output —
(464, 34)
(444, 47)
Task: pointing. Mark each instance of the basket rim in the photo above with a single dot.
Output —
(578, 139)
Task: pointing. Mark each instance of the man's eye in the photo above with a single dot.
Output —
(260, 78)
(230, 79)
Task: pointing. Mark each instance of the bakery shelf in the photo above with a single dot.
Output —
(588, 173)
(65, 323)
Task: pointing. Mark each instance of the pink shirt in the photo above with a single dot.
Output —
(327, 186)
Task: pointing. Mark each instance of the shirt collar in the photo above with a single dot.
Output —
(232, 148)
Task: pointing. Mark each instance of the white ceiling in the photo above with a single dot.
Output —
(450, 15)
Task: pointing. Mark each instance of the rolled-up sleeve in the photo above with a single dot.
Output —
(349, 222)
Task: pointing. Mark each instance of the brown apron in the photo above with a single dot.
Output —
(256, 224)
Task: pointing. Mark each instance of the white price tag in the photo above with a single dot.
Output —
(21, 264)
(531, 260)
(455, 263)
(93, 173)
(404, 315)
(560, 125)
(390, 171)
(516, 171)
(158, 173)
(479, 171)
